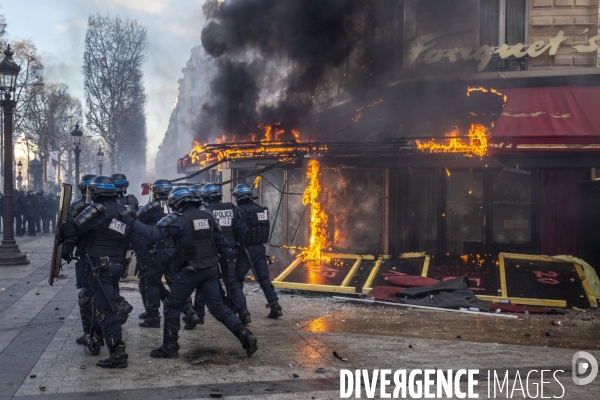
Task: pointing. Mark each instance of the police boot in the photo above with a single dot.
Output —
(81, 339)
(116, 359)
(169, 349)
(275, 310)
(248, 341)
(244, 316)
(143, 315)
(151, 322)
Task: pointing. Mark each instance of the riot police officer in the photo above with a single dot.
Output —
(30, 205)
(199, 244)
(18, 211)
(39, 210)
(81, 281)
(234, 229)
(51, 209)
(162, 253)
(106, 238)
(121, 184)
(253, 254)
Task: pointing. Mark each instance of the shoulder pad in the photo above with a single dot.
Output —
(153, 205)
(89, 216)
(132, 201)
(168, 220)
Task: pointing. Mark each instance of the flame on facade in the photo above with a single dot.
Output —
(318, 219)
(256, 182)
(477, 144)
(484, 90)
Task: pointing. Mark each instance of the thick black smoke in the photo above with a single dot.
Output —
(253, 39)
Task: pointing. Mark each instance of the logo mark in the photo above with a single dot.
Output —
(580, 368)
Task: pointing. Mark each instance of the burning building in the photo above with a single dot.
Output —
(446, 127)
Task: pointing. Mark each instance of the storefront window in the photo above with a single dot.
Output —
(425, 184)
(464, 212)
(512, 212)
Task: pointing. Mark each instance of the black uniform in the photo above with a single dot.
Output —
(234, 229)
(162, 254)
(106, 239)
(199, 243)
(51, 210)
(257, 220)
(18, 211)
(128, 200)
(30, 205)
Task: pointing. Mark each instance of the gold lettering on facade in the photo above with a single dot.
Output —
(484, 53)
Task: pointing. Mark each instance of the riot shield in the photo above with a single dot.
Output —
(63, 215)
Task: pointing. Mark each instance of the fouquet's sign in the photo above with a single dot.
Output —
(424, 45)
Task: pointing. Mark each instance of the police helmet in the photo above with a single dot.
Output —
(242, 192)
(39, 192)
(180, 196)
(121, 182)
(196, 191)
(103, 186)
(211, 191)
(85, 182)
(162, 187)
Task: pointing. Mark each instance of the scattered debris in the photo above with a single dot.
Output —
(56, 309)
(37, 294)
(2, 290)
(546, 334)
(82, 367)
(291, 366)
(32, 375)
(410, 346)
(554, 322)
(527, 334)
(336, 355)
(296, 376)
(42, 388)
(320, 370)
(61, 318)
(216, 393)
(255, 290)
(459, 337)
(579, 309)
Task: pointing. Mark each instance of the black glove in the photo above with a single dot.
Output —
(127, 217)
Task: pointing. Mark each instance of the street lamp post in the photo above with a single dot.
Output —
(19, 178)
(77, 134)
(10, 254)
(100, 155)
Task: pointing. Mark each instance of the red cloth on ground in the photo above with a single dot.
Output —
(408, 281)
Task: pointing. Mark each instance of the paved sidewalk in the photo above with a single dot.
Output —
(39, 325)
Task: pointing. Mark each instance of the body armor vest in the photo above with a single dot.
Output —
(257, 219)
(223, 213)
(200, 250)
(129, 200)
(108, 239)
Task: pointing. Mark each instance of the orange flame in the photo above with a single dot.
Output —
(318, 219)
(256, 182)
(477, 145)
(484, 90)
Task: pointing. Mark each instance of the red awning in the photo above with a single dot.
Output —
(548, 119)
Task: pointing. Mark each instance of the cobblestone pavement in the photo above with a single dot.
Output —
(39, 357)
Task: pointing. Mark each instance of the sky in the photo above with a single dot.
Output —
(57, 27)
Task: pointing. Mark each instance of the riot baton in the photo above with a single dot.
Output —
(245, 250)
(87, 260)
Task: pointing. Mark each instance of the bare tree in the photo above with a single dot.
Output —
(115, 51)
(50, 115)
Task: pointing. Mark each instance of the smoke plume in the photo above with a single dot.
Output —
(271, 55)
